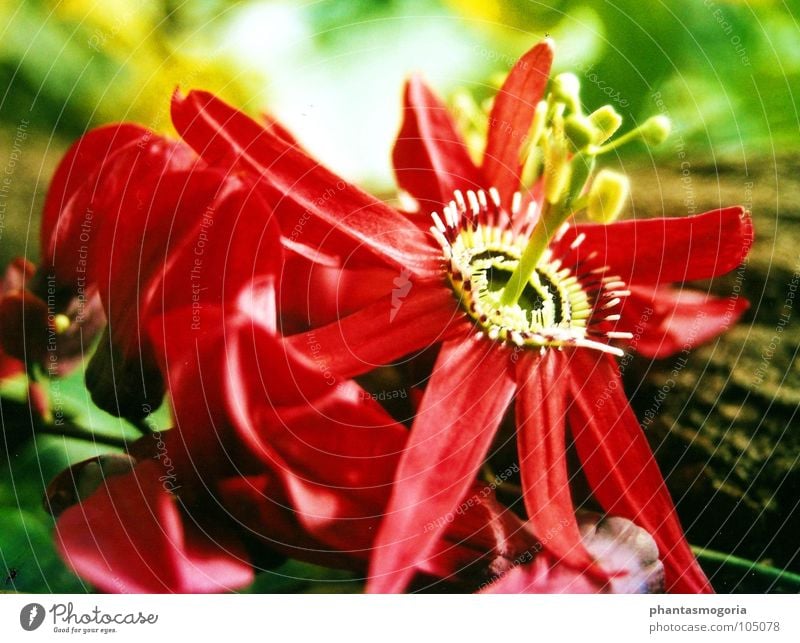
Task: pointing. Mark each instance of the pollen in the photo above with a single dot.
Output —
(569, 299)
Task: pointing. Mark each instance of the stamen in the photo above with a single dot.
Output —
(482, 199)
(516, 201)
(558, 302)
(438, 222)
(450, 215)
(578, 240)
(495, 196)
(460, 200)
(442, 242)
(473, 203)
(618, 334)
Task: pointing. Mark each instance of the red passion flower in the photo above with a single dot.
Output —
(528, 304)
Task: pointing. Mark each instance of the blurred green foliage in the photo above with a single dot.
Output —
(66, 65)
(726, 70)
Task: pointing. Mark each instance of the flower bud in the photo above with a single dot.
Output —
(580, 131)
(607, 196)
(607, 121)
(656, 129)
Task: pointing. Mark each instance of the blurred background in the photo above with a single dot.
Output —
(725, 71)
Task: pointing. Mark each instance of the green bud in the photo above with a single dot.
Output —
(607, 121)
(566, 89)
(607, 196)
(580, 131)
(656, 129)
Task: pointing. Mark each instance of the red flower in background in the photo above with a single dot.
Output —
(585, 290)
(149, 226)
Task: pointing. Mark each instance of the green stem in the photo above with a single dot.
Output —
(552, 218)
(746, 565)
(537, 244)
(142, 426)
(618, 142)
(78, 433)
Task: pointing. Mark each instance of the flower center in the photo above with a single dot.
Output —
(558, 305)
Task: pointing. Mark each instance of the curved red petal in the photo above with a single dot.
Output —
(430, 158)
(541, 410)
(314, 206)
(316, 295)
(82, 161)
(129, 537)
(228, 253)
(666, 320)
(620, 467)
(467, 397)
(511, 118)
(119, 193)
(413, 317)
(668, 250)
(543, 576)
(332, 447)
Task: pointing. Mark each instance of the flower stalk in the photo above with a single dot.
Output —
(570, 142)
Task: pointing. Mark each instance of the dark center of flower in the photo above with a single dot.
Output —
(559, 303)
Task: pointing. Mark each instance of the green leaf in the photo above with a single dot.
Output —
(29, 559)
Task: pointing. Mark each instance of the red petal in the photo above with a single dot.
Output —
(315, 206)
(335, 462)
(663, 251)
(120, 192)
(485, 538)
(260, 506)
(467, 397)
(541, 410)
(81, 162)
(216, 262)
(129, 537)
(543, 576)
(511, 118)
(668, 320)
(430, 158)
(315, 295)
(137, 242)
(194, 359)
(395, 326)
(333, 449)
(621, 469)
